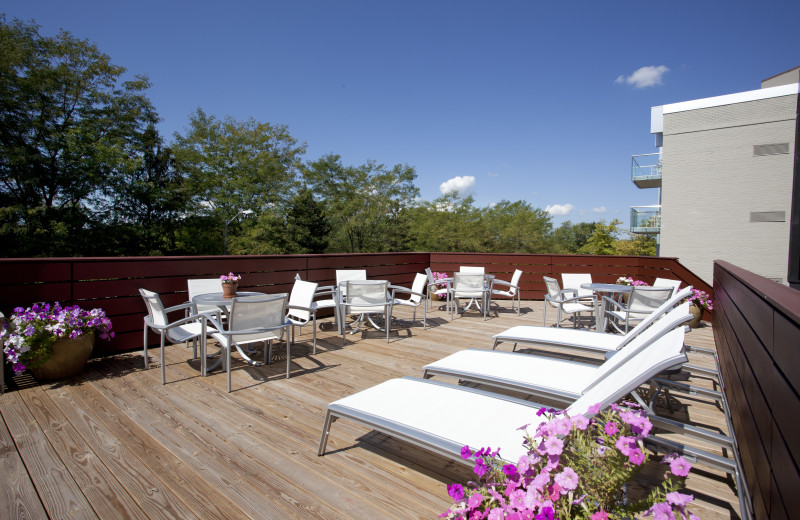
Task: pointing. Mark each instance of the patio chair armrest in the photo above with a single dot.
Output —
(503, 282)
(183, 305)
(397, 288)
(565, 292)
(182, 321)
(615, 303)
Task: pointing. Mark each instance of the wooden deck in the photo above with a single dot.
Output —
(115, 443)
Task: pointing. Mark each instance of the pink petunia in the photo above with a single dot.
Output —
(567, 479)
(679, 499)
(553, 446)
(635, 456)
(594, 409)
(611, 428)
(625, 445)
(580, 421)
(475, 500)
(599, 515)
(680, 466)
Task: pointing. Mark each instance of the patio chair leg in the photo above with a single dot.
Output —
(314, 328)
(163, 370)
(288, 356)
(144, 342)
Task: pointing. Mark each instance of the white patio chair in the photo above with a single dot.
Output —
(599, 342)
(366, 298)
(302, 308)
(512, 292)
(642, 301)
(667, 282)
(253, 319)
(431, 415)
(416, 297)
(472, 286)
(557, 298)
(199, 286)
(472, 269)
(189, 328)
(573, 281)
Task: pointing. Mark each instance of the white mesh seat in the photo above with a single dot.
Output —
(416, 297)
(557, 298)
(254, 319)
(642, 302)
(302, 308)
(366, 298)
(512, 291)
(189, 328)
(472, 286)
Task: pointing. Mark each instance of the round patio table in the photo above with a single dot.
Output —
(605, 288)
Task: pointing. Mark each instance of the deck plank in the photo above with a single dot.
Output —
(18, 497)
(61, 496)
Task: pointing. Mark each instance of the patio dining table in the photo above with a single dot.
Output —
(605, 288)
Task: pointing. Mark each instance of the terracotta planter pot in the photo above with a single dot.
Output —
(68, 358)
(697, 312)
(229, 290)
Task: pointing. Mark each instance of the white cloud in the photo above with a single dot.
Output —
(645, 77)
(601, 209)
(559, 209)
(459, 184)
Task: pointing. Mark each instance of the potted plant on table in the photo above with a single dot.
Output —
(623, 280)
(53, 341)
(443, 285)
(701, 301)
(230, 284)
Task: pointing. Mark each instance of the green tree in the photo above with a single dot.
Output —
(569, 238)
(636, 245)
(516, 227)
(233, 165)
(66, 125)
(307, 226)
(602, 241)
(367, 206)
(450, 223)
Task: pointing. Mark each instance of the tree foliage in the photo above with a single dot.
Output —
(67, 123)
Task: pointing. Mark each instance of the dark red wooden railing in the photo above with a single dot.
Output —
(757, 333)
(113, 283)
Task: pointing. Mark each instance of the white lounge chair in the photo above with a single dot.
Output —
(582, 339)
(548, 377)
(432, 414)
(667, 282)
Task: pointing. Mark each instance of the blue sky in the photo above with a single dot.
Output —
(530, 98)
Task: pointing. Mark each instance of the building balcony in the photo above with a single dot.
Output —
(646, 170)
(646, 220)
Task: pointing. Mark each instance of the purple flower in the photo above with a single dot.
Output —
(509, 469)
(475, 500)
(547, 513)
(680, 466)
(553, 446)
(625, 445)
(567, 479)
(635, 456)
(580, 421)
(456, 491)
(661, 511)
(480, 467)
(679, 499)
(611, 428)
(466, 453)
(599, 515)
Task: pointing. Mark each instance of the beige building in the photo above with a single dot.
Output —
(727, 171)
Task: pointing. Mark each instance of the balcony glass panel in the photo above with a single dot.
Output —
(646, 170)
(646, 219)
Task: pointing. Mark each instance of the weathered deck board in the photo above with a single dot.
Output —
(116, 443)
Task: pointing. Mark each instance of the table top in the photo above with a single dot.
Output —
(217, 298)
(607, 287)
